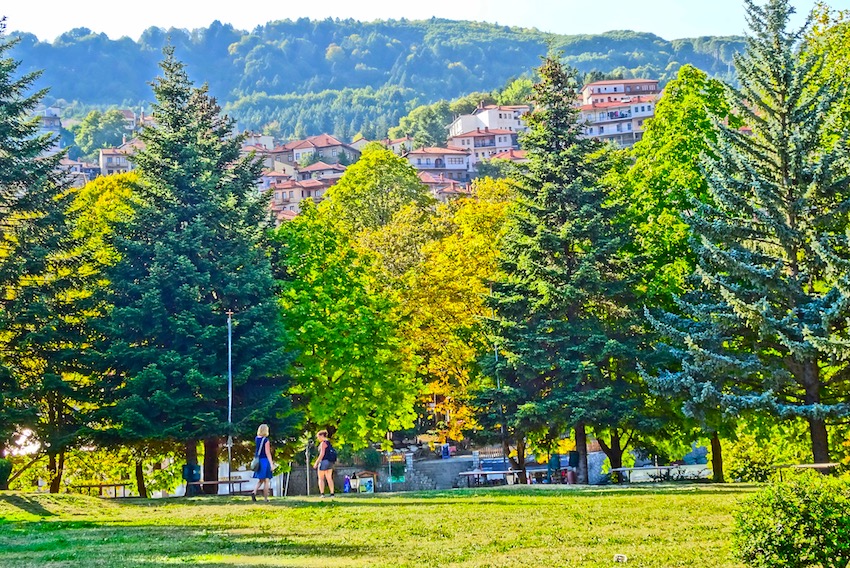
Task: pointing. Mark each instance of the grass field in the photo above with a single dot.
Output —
(657, 526)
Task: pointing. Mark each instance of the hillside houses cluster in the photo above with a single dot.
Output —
(297, 170)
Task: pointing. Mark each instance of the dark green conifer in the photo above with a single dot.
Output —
(42, 275)
(562, 308)
(193, 251)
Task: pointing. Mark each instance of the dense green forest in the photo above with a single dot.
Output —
(342, 76)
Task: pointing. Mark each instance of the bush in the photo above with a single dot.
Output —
(797, 524)
(750, 461)
(5, 472)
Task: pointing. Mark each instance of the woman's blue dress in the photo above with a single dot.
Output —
(265, 471)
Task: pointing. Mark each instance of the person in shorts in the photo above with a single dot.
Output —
(325, 463)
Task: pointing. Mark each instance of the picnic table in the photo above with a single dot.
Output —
(660, 469)
(233, 481)
(101, 486)
(476, 475)
(781, 468)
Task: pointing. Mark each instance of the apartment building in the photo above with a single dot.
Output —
(450, 163)
(484, 143)
(322, 147)
(494, 117)
(617, 110)
(117, 160)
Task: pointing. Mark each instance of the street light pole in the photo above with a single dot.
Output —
(229, 399)
(499, 388)
(501, 408)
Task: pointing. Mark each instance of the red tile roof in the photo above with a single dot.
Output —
(486, 132)
(513, 155)
(321, 166)
(320, 141)
(275, 174)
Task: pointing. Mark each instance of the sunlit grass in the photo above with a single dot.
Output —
(655, 526)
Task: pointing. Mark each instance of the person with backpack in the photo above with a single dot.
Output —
(325, 463)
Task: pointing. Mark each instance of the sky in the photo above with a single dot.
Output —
(670, 19)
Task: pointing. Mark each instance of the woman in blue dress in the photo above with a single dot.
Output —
(263, 451)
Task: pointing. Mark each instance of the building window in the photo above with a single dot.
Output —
(428, 161)
(601, 130)
(629, 126)
(291, 194)
(418, 161)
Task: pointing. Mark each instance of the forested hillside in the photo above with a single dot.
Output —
(343, 76)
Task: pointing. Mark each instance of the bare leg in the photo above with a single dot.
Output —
(266, 488)
(321, 482)
(329, 477)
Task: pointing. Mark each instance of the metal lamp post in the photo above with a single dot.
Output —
(229, 399)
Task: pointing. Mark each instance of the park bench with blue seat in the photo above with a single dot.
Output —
(490, 471)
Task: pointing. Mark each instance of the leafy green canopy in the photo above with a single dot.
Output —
(666, 180)
(767, 328)
(192, 251)
(373, 190)
(354, 370)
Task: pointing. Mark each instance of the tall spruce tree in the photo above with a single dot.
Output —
(562, 305)
(766, 330)
(43, 383)
(194, 250)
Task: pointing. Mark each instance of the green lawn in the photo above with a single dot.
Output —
(659, 526)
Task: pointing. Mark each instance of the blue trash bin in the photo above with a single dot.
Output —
(192, 473)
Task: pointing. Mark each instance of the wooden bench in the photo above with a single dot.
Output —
(101, 486)
(218, 483)
(799, 466)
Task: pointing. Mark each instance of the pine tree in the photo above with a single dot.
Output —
(766, 330)
(194, 250)
(42, 282)
(561, 308)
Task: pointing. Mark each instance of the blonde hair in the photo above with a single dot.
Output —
(323, 433)
(263, 430)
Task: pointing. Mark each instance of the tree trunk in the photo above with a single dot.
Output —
(140, 480)
(716, 459)
(211, 447)
(517, 463)
(820, 441)
(55, 467)
(192, 452)
(817, 426)
(614, 451)
(581, 447)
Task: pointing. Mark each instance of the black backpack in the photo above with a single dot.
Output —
(330, 453)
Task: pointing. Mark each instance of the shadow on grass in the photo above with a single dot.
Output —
(37, 544)
(26, 504)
